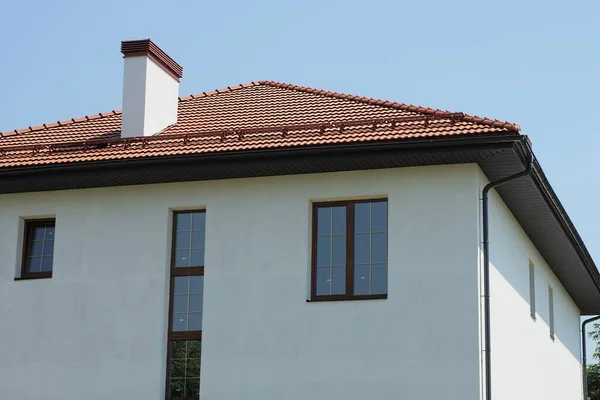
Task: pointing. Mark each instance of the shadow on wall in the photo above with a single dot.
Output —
(517, 277)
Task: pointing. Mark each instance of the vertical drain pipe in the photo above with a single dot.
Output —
(486, 263)
(584, 355)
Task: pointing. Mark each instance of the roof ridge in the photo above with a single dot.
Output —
(117, 112)
(219, 91)
(392, 104)
(281, 85)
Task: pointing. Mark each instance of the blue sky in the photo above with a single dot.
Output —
(536, 63)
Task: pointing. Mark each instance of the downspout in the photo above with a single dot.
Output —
(584, 356)
(486, 263)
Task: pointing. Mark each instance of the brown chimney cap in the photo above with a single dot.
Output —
(132, 48)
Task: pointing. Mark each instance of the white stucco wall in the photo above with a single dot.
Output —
(526, 362)
(150, 97)
(97, 328)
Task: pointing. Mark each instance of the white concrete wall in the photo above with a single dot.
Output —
(526, 362)
(150, 98)
(97, 328)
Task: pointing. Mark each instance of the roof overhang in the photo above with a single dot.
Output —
(531, 199)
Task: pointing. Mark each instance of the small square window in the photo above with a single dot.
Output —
(38, 249)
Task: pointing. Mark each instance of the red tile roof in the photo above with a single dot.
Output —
(258, 115)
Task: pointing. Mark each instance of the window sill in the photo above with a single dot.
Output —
(347, 298)
(46, 275)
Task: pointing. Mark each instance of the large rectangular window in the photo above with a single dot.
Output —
(38, 249)
(185, 305)
(350, 250)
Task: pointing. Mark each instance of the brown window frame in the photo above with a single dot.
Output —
(349, 204)
(27, 239)
(174, 336)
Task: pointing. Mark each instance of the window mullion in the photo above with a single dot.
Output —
(349, 249)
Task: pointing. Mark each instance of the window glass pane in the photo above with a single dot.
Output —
(197, 258)
(47, 264)
(362, 217)
(39, 232)
(192, 369)
(180, 284)
(196, 302)
(339, 250)
(379, 248)
(48, 248)
(35, 249)
(338, 284)
(192, 387)
(182, 240)
(184, 369)
(379, 217)
(177, 387)
(361, 248)
(180, 303)
(195, 322)
(324, 220)
(49, 233)
(197, 284)
(182, 258)
(178, 349)
(339, 220)
(199, 221)
(183, 222)
(177, 369)
(323, 281)
(197, 239)
(34, 264)
(361, 279)
(323, 250)
(379, 279)
(179, 322)
(194, 348)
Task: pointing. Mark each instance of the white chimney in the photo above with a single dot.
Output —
(150, 89)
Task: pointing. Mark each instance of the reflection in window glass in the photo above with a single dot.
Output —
(186, 303)
(370, 248)
(39, 246)
(190, 230)
(186, 306)
(331, 250)
(184, 368)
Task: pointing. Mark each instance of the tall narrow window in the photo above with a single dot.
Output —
(38, 249)
(350, 250)
(531, 289)
(185, 305)
(551, 311)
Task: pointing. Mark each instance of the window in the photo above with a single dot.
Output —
(551, 311)
(350, 250)
(185, 305)
(531, 289)
(38, 249)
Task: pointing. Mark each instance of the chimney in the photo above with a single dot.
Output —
(150, 89)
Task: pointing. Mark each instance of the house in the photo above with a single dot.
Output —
(269, 241)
